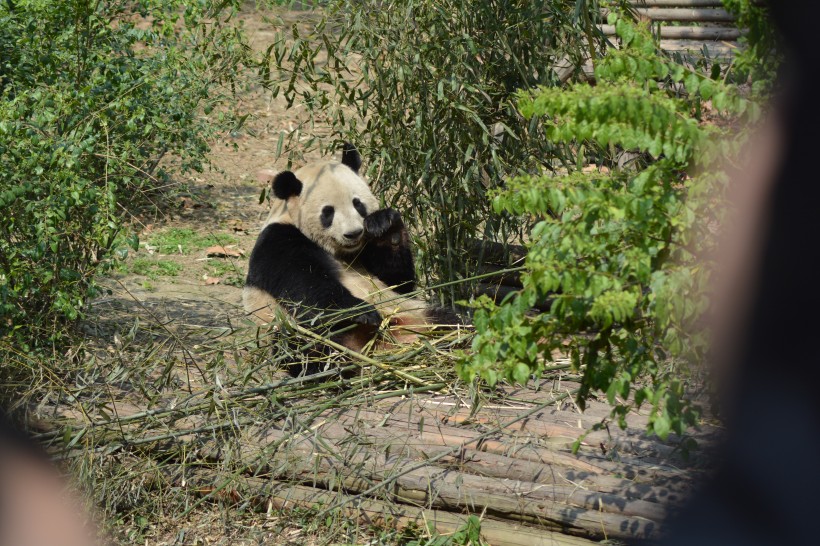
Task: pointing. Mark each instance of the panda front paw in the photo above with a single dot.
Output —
(381, 222)
(366, 315)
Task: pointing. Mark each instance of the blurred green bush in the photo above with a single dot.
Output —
(93, 95)
(622, 251)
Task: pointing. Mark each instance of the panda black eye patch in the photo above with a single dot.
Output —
(327, 216)
(359, 206)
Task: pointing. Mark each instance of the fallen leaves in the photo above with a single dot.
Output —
(219, 251)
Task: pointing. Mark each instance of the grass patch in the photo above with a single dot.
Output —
(221, 268)
(186, 240)
(153, 268)
(226, 270)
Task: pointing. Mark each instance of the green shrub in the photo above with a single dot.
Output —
(94, 94)
(620, 251)
(758, 57)
(426, 90)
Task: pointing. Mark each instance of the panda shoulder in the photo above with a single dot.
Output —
(282, 249)
(277, 235)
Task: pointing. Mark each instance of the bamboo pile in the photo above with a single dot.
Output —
(430, 458)
(403, 443)
(688, 26)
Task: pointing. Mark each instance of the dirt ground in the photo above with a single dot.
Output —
(173, 274)
(178, 277)
(173, 279)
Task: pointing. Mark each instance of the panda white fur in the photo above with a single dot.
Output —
(327, 250)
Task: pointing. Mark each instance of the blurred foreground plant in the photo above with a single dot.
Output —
(620, 249)
(93, 95)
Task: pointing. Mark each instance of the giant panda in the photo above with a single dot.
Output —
(327, 251)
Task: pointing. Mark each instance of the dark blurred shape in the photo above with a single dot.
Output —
(766, 486)
(36, 509)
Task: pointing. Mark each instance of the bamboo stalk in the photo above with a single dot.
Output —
(501, 275)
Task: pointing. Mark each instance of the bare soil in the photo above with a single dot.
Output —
(205, 291)
(221, 202)
(185, 288)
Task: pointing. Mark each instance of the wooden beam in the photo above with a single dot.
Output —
(677, 3)
(716, 49)
(283, 496)
(688, 33)
(680, 3)
(698, 15)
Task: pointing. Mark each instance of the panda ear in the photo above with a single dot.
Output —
(286, 185)
(351, 157)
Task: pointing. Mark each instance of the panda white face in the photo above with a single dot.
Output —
(331, 207)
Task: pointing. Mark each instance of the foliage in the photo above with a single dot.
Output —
(758, 58)
(426, 89)
(619, 251)
(468, 534)
(185, 240)
(94, 94)
(154, 269)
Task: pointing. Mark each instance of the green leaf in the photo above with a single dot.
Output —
(661, 426)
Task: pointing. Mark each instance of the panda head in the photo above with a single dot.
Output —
(328, 201)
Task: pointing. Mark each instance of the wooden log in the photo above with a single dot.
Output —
(688, 33)
(306, 457)
(714, 49)
(367, 512)
(483, 463)
(438, 420)
(681, 3)
(636, 454)
(590, 461)
(694, 15)
(631, 442)
(579, 512)
(473, 459)
(641, 480)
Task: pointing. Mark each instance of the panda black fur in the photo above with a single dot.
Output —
(327, 248)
